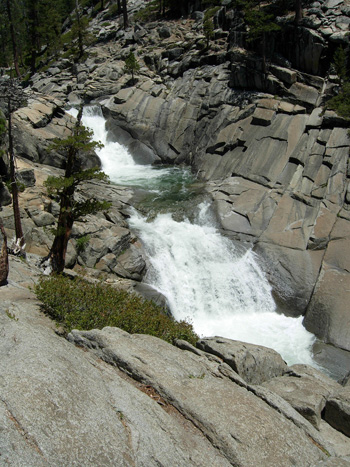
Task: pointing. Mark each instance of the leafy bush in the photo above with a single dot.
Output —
(79, 304)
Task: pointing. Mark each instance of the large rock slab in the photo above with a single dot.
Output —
(337, 411)
(245, 429)
(306, 389)
(255, 364)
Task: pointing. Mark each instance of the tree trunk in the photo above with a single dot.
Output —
(13, 39)
(4, 259)
(80, 32)
(264, 68)
(125, 15)
(298, 11)
(34, 37)
(59, 247)
(14, 187)
(57, 255)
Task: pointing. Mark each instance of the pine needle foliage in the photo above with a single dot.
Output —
(79, 304)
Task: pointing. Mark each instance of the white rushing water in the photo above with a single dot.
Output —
(204, 277)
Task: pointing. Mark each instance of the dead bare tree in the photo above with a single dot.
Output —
(13, 95)
(4, 260)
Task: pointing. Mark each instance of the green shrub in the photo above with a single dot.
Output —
(82, 243)
(79, 304)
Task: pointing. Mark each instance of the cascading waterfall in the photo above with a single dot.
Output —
(204, 276)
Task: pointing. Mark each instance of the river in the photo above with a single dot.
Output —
(206, 278)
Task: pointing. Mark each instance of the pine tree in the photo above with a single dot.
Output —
(131, 65)
(13, 38)
(65, 187)
(208, 28)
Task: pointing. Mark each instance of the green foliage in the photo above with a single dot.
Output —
(2, 124)
(20, 186)
(57, 186)
(79, 304)
(208, 28)
(131, 64)
(259, 23)
(340, 63)
(341, 102)
(80, 140)
(82, 243)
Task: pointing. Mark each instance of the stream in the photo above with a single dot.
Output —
(208, 279)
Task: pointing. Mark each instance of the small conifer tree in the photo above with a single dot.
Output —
(64, 188)
(131, 66)
(208, 28)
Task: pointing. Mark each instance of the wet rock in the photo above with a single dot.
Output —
(292, 274)
(327, 314)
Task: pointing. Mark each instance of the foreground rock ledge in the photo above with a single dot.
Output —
(61, 405)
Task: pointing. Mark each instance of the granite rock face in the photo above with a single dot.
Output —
(227, 414)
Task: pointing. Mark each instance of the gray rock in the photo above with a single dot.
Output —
(197, 15)
(292, 274)
(131, 264)
(26, 177)
(306, 389)
(339, 442)
(149, 293)
(262, 117)
(255, 364)
(327, 314)
(164, 32)
(337, 411)
(216, 405)
(5, 195)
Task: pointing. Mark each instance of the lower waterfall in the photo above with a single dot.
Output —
(205, 277)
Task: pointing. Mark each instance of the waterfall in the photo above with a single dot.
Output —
(206, 278)
(220, 289)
